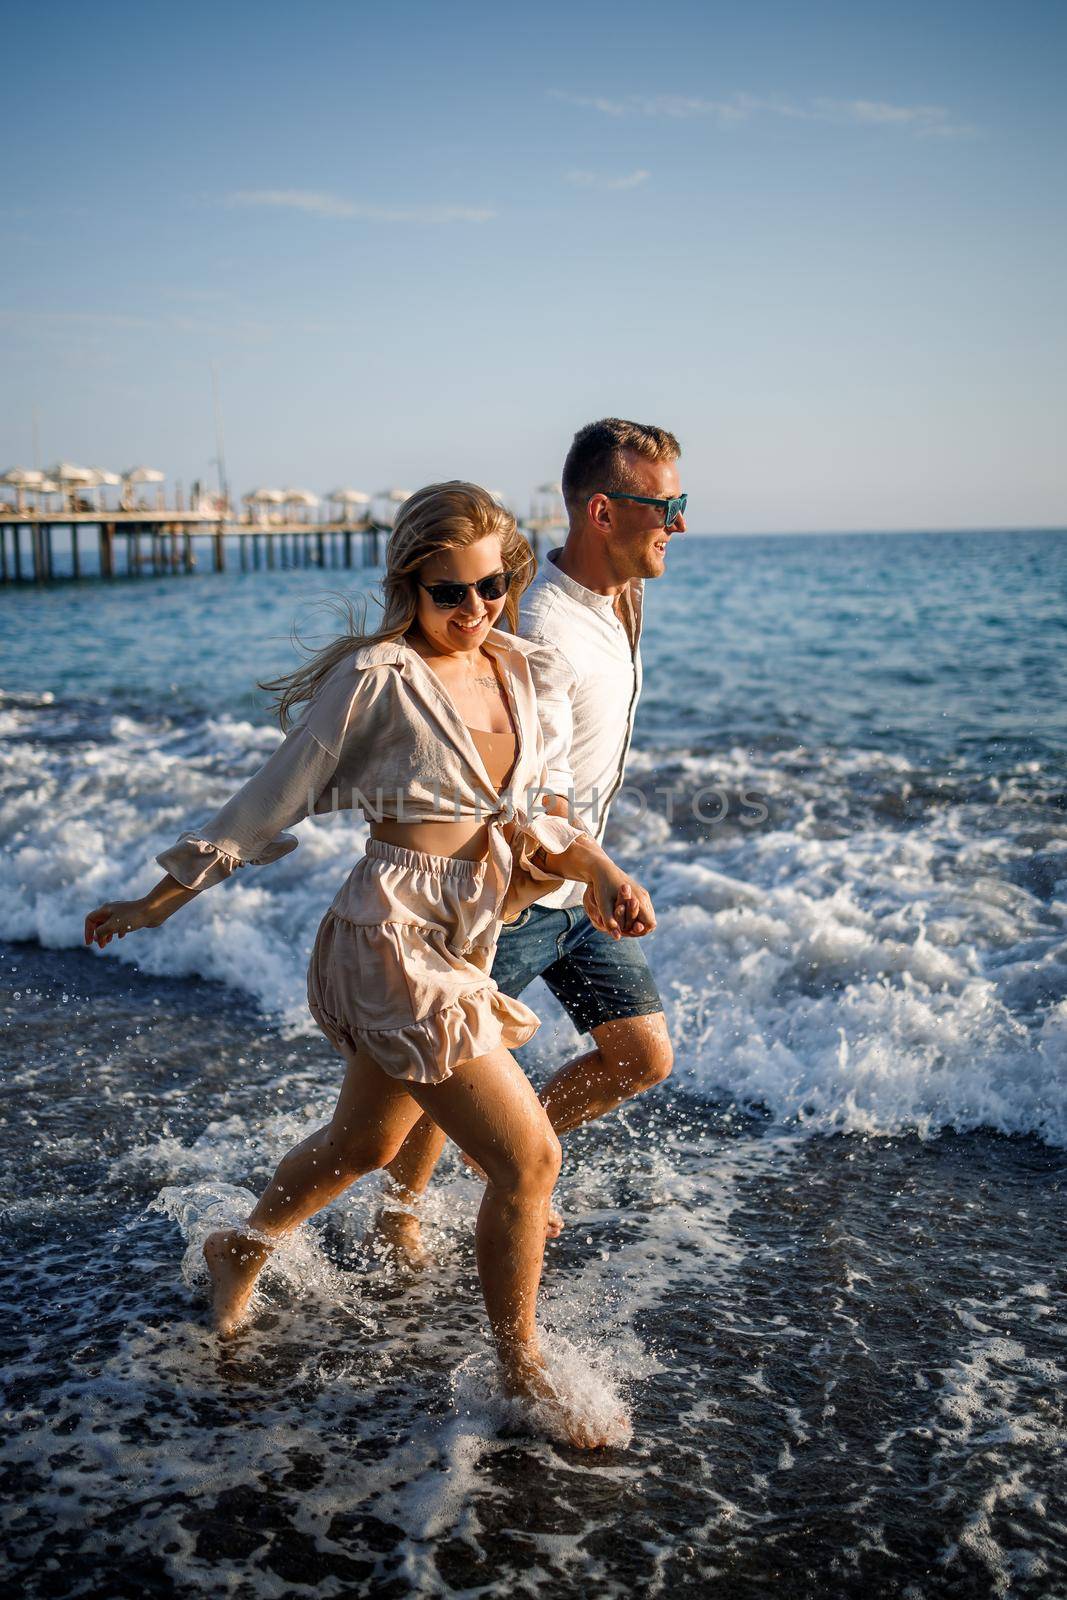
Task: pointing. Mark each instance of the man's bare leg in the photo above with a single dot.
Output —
(407, 1179)
(629, 1055)
(397, 1224)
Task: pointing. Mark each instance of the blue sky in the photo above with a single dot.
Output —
(824, 243)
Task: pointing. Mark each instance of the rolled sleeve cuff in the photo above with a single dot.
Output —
(560, 780)
(550, 833)
(196, 863)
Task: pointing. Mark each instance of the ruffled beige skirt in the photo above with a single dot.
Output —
(401, 965)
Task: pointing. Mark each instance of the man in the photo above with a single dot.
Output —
(583, 612)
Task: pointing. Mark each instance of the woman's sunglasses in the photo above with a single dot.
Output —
(450, 595)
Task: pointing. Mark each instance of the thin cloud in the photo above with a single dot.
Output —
(581, 179)
(665, 105)
(922, 120)
(321, 204)
(935, 120)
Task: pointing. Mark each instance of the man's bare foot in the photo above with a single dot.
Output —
(401, 1233)
(234, 1261)
(525, 1378)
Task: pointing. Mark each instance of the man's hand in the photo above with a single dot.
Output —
(619, 906)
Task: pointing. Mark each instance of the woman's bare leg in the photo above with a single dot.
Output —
(374, 1113)
(491, 1111)
(489, 1108)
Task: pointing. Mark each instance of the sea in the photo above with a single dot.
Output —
(816, 1279)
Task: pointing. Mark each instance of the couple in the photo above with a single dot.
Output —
(463, 743)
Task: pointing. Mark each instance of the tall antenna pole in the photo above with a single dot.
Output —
(220, 454)
(36, 424)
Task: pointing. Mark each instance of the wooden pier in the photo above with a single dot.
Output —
(164, 542)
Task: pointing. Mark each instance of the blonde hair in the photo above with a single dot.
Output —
(443, 516)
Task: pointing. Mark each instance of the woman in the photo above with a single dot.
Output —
(428, 726)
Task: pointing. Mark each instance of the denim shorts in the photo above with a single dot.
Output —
(595, 978)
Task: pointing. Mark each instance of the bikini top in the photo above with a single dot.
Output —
(499, 752)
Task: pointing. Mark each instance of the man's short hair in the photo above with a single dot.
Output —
(597, 460)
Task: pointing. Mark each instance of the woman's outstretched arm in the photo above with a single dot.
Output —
(116, 918)
(249, 830)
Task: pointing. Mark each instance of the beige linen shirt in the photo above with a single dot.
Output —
(383, 736)
(586, 666)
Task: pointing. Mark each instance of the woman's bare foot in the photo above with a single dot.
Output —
(525, 1378)
(234, 1261)
(401, 1233)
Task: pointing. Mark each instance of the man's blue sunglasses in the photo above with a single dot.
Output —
(672, 509)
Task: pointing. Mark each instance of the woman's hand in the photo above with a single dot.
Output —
(117, 918)
(618, 905)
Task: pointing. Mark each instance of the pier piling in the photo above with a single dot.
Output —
(171, 551)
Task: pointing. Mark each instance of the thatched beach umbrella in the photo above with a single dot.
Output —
(71, 478)
(300, 497)
(20, 479)
(104, 479)
(135, 475)
(347, 499)
(260, 499)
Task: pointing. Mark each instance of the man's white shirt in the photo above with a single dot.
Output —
(587, 673)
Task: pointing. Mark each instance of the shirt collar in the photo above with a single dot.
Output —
(497, 641)
(577, 591)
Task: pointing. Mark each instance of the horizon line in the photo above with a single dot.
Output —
(805, 533)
